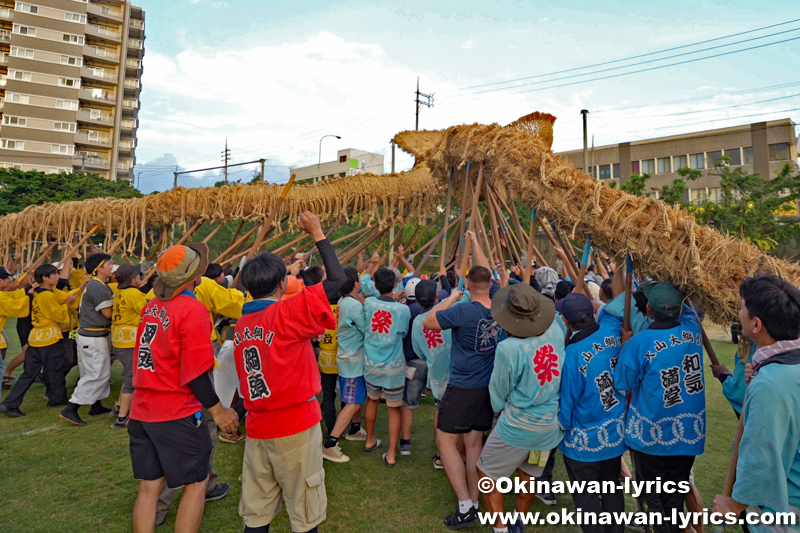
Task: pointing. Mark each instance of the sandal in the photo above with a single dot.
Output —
(231, 438)
(387, 463)
(437, 462)
(7, 381)
(374, 447)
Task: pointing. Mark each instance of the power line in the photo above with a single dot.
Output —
(646, 69)
(630, 58)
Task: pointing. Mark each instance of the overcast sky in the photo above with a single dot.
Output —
(272, 77)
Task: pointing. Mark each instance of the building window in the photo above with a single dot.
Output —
(17, 98)
(14, 121)
(697, 195)
(715, 194)
(713, 158)
(663, 165)
(75, 17)
(342, 159)
(69, 60)
(24, 30)
(697, 161)
(779, 152)
(615, 170)
(65, 149)
(649, 166)
(74, 39)
(12, 145)
(69, 82)
(735, 155)
(342, 174)
(26, 8)
(634, 167)
(67, 104)
(679, 161)
(27, 53)
(64, 126)
(747, 155)
(19, 75)
(605, 172)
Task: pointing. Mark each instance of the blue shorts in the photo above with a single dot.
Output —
(415, 386)
(353, 390)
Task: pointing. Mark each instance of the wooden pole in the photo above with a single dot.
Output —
(446, 221)
(498, 255)
(75, 248)
(472, 217)
(236, 244)
(465, 195)
(712, 354)
(352, 253)
(431, 244)
(213, 232)
(186, 236)
(41, 259)
(568, 265)
(626, 317)
(162, 239)
(531, 236)
(587, 252)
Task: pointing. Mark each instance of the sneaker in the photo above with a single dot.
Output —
(548, 498)
(114, 411)
(459, 520)
(120, 424)
(358, 435)
(516, 527)
(9, 412)
(219, 492)
(405, 449)
(71, 415)
(334, 453)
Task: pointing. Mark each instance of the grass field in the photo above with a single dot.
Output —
(57, 477)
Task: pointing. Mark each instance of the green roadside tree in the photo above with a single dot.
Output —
(19, 189)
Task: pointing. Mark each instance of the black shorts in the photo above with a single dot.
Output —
(178, 450)
(465, 410)
(24, 327)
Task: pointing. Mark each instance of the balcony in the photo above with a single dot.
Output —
(101, 54)
(5, 35)
(95, 116)
(4, 58)
(126, 145)
(2, 103)
(100, 75)
(97, 96)
(123, 166)
(90, 162)
(6, 13)
(104, 13)
(130, 107)
(92, 138)
(136, 28)
(103, 33)
(3, 80)
(135, 48)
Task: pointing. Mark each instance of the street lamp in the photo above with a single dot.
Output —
(319, 161)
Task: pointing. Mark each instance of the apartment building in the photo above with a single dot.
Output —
(763, 147)
(70, 78)
(348, 163)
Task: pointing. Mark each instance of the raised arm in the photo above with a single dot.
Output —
(335, 276)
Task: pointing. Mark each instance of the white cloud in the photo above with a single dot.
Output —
(468, 45)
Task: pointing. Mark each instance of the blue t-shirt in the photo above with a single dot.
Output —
(475, 338)
(408, 346)
(386, 323)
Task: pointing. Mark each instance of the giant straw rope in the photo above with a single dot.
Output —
(665, 242)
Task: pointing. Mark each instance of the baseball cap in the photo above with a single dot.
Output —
(575, 305)
(663, 297)
(411, 287)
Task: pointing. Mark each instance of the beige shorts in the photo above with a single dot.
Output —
(298, 476)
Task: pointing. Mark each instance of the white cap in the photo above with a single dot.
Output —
(411, 286)
(114, 268)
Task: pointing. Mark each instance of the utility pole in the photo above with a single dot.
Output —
(262, 170)
(138, 178)
(83, 162)
(428, 102)
(585, 113)
(225, 156)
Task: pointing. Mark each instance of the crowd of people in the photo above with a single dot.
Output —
(520, 369)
